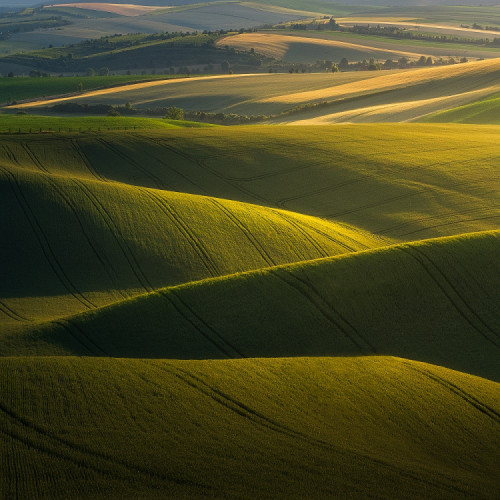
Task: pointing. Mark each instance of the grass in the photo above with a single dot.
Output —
(156, 428)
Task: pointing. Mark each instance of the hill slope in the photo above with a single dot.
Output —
(434, 301)
(303, 427)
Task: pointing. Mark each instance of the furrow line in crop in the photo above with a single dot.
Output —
(260, 419)
(11, 155)
(34, 158)
(44, 242)
(105, 263)
(159, 183)
(453, 388)
(459, 295)
(436, 281)
(170, 298)
(439, 217)
(335, 240)
(376, 204)
(205, 167)
(282, 203)
(68, 330)
(326, 310)
(82, 333)
(117, 236)
(172, 169)
(213, 332)
(8, 311)
(348, 325)
(298, 227)
(81, 153)
(184, 229)
(475, 219)
(251, 238)
(23, 423)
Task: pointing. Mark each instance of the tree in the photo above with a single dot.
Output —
(80, 86)
(10, 75)
(174, 113)
(344, 64)
(104, 71)
(89, 72)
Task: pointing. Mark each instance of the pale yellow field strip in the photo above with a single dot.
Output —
(278, 45)
(399, 111)
(134, 86)
(387, 82)
(279, 10)
(349, 21)
(124, 9)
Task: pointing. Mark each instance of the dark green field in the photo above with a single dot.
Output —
(250, 312)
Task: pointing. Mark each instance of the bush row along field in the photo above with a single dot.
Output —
(398, 300)
(395, 96)
(189, 429)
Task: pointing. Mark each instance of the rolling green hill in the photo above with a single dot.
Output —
(131, 260)
(287, 428)
(434, 301)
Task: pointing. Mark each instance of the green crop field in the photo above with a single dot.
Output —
(251, 312)
(483, 111)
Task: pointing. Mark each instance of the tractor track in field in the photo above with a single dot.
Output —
(461, 393)
(92, 455)
(440, 217)
(201, 326)
(75, 337)
(447, 284)
(459, 221)
(44, 242)
(261, 420)
(117, 236)
(172, 169)
(298, 227)
(105, 263)
(326, 310)
(183, 228)
(66, 323)
(88, 164)
(205, 167)
(9, 312)
(124, 157)
(243, 228)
